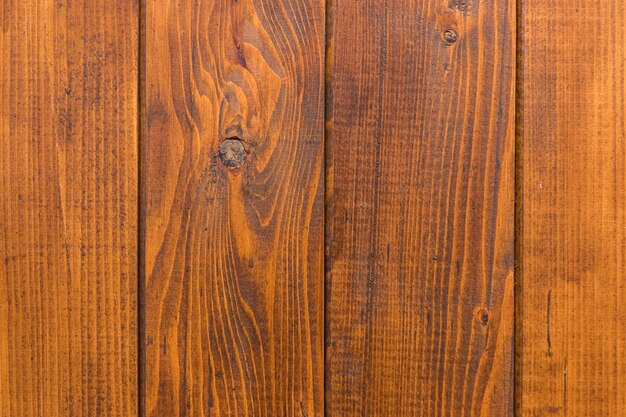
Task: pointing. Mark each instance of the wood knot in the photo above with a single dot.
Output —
(447, 23)
(482, 317)
(450, 36)
(232, 153)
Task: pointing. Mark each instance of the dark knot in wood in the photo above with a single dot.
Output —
(232, 152)
(482, 317)
(450, 35)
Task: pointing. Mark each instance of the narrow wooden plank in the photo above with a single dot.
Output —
(420, 208)
(234, 227)
(68, 223)
(572, 346)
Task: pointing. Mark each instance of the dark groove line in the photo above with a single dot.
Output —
(548, 323)
(141, 210)
(327, 196)
(518, 211)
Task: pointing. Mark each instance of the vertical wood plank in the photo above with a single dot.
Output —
(233, 175)
(420, 208)
(68, 204)
(572, 218)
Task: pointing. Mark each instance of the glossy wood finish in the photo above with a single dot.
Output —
(572, 214)
(234, 251)
(420, 194)
(68, 208)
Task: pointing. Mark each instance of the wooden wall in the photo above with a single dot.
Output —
(572, 209)
(420, 209)
(233, 161)
(68, 208)
(278, 208)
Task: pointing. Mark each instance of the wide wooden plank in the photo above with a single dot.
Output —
(572, 217)
(420, 208)
(232, 168)
(68, 204)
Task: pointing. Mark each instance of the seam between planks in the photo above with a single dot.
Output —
(141, 282)
(327, 190)
(518, 218)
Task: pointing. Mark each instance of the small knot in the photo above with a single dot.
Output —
(450, 36)
(232, 152)
(482, 317)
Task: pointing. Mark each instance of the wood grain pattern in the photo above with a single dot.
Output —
(68, 204)
(234, 253)
(420, 206)
(572, 218)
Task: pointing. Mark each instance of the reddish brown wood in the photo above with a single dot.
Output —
(572, 214)
(420, 208)
(233, 185)
(68, 208)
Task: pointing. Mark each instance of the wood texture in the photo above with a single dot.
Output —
(420, 206)
(572, 218)
(68, 204)
(234, 253)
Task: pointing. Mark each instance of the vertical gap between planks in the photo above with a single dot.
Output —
(518, 210)
(141, 283)
(327, 190)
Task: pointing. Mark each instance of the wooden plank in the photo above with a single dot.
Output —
(68, 223)
(420, 208)
(572, 217)
(234, 227)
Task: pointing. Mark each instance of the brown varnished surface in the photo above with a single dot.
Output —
(572, 215)
(420, 208)
(234, 255)
(68, 204)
